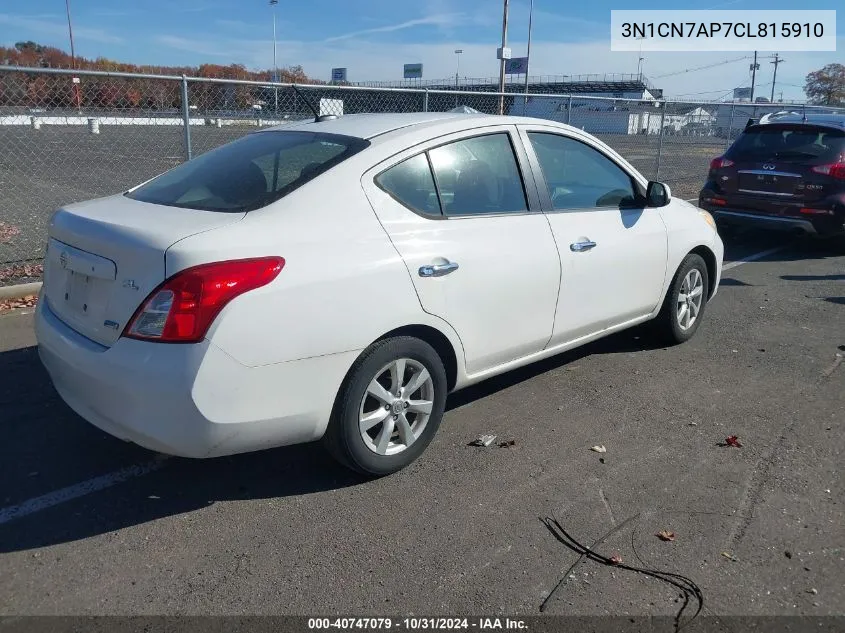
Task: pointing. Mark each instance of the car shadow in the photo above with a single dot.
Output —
(727, 281)
(813, 277)
(56, 469)
(839, 300)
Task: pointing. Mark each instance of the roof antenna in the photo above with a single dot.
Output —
(317, 117)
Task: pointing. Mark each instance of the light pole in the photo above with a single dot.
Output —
(528, 54)
(274, 3)
(73, 58)
(503, 57)
(458, 53)
(640, 60)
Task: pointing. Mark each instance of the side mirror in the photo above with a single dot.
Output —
(658, 194)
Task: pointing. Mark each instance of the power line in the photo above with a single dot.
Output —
(691, 70)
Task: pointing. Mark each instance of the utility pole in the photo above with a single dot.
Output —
(778, 60)
(754, 68)
(503, 57)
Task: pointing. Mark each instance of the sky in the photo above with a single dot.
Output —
(374, 38)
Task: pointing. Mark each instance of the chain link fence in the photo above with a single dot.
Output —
(67, 136)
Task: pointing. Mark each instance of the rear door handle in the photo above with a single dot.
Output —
(438, 270)
(584, 245)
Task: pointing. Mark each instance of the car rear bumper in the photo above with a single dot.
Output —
(776, 223)
(188, 400)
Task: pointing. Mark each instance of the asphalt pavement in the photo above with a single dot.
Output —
(92, 525)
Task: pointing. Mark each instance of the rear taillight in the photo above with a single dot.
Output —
(717, 201)
(718, 163)
(182, 308)
(834, 170)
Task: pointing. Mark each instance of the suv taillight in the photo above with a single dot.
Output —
(182, 308)
(718, 163)
(834, 170)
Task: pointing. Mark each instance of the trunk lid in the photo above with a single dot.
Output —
(105, 256)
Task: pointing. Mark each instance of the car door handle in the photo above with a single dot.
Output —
(584, 245)
(438, 270)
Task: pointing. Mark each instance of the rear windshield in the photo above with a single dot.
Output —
(249, 173)
(797, 143)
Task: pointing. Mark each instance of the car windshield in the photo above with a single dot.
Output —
(249, 173)
(766, 143)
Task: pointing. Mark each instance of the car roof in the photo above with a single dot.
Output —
(833, 120)
(368, 126)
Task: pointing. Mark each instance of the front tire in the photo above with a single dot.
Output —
(389, 406)
(685, 302)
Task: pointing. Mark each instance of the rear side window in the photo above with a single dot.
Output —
(412, 184)
(797, 143)
(478, 176)
(249, 173)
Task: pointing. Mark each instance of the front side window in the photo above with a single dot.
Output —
(249, 173)
(478, 176)
(579, 176)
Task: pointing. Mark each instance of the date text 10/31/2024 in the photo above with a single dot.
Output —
(414, 624)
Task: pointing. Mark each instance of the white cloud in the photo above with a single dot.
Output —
(29, 26)
(445, 19)
(198, 47)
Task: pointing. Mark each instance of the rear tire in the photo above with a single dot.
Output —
(389, 407)
(685, 303)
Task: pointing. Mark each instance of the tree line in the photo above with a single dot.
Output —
(58, 91)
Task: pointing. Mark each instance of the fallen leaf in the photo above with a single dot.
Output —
(21, 271)
(730, 556)
(16, 304)
(733, 440)
(665, 535)
(7, 231)
(598, 449)
(616, 559)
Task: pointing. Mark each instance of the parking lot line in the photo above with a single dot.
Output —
(751, 258)
(79, 490)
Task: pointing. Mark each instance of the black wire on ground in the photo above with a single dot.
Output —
(688, 588)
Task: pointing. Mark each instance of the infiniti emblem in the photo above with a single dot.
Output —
(768, 166)
(63, 259)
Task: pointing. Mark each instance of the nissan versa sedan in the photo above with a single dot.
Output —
(335, 279)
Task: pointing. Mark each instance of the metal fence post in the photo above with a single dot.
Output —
(186, 118)
(730, 128)
(660, 140)
(425, 101)
(569, 111)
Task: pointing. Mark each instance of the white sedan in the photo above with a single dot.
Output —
(336, 279)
